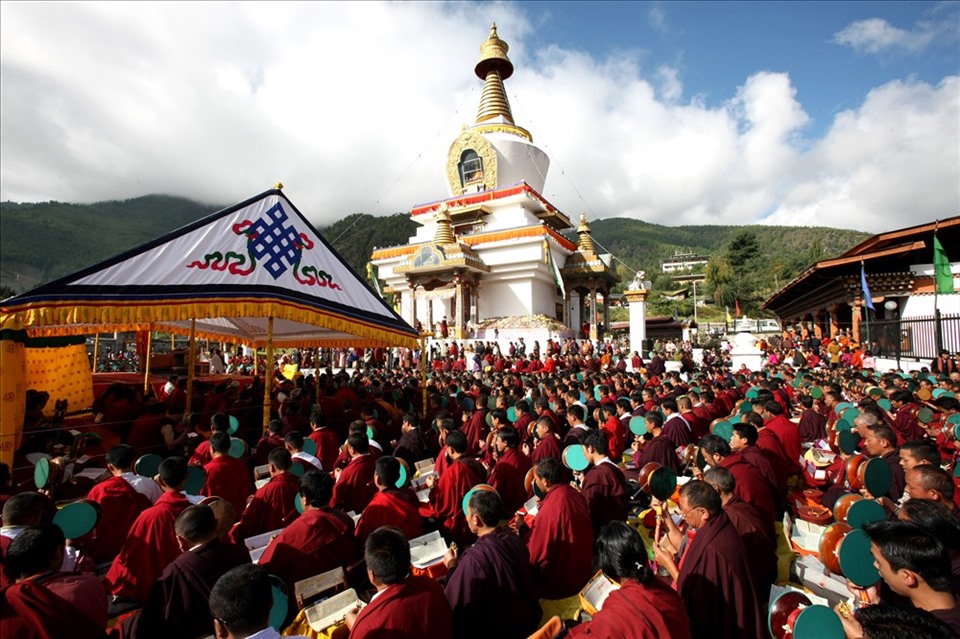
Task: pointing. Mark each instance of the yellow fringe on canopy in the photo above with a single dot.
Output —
(44, 319)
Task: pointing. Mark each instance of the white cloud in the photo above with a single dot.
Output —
(877, 35)
(353, 106)
(657, 17)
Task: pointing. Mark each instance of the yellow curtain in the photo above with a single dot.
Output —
(64, 372)
(13, 373)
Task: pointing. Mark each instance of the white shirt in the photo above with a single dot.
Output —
(144, 485)
(307, 457)
(70, 554)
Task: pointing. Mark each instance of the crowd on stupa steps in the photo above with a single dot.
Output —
(597, 495)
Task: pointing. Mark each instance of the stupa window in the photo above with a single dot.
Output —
(471, 167)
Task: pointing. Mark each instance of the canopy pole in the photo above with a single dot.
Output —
(96, 350)
(256, 365)
(268, 375)
(173, 343)
(190, 366)
(423, 371)
(146, 367)
(316, 375)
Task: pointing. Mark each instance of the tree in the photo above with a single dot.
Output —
(719, 282)
(743, 256)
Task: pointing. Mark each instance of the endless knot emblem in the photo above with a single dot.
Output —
(275, 242)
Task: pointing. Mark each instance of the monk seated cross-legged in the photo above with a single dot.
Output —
(272, 506)
(391, 506)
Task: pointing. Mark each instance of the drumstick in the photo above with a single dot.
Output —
(656, 536)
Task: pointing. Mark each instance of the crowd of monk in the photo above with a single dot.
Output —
(518, 555)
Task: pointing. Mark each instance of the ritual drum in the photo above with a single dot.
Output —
(531, 485)
(852, 471)
(842, 506)
(148, 465)
(196, 478)
(793, 615)
(925, 416)
(924, 395)
(478, 487)
(78, 519)
(239, 448)
(224, 513)
(875, 476)
(643, 478)
(638, 425)
(278, 612)
(309, 446)
(404, 472)
(829, 546)
(48, 473)
(574, 458)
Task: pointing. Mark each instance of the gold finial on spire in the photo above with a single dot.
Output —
(278, 185)
(584, 242)
(493, 68)
(444, 234)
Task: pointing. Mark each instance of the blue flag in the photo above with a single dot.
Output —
(866, 289)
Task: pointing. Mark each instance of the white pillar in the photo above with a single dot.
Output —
(637, 300)
(575, 319)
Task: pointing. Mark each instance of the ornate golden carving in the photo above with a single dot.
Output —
(470, 139)
(504, 128)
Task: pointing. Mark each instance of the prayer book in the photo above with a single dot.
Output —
(332, 611)
(259, 472)
(596, 592)
(309, 590)
(258, 544)
(427, 550)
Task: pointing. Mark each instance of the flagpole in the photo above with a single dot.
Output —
(937, 329)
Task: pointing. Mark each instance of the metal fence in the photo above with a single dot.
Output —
(916, 337)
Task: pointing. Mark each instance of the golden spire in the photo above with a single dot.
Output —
(585, 242)
(444, 234)
(493, 68)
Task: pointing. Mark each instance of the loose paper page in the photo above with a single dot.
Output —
(322, 615)
(427, 550)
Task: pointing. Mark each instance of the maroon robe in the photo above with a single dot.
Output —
(413, 608)
(446, 497)
(750, 485)
(605, 489)
(660, 450)
(716, 585)
(768, 440)
(493, 575)
(391, 507)
(229, 479)
(412, 447)
(635, 611)
(355, 488)
(475, 430)
(507, 478)
(789, 436)
(321, 539)
(328, 446)
(766, 464)
(273, 506)
(177, 605)
(677, 431)
(148, 550)
(265, 446)
(201, 454)
(32, 610)
(549, 446)
(561, 544)
(812, 426)
(758, 535)
(120, 505)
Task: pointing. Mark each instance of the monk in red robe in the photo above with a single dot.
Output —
(547, 444)
(751, 487)
(391, 506)
(615, 430)
(712, 574)
(447, 493)
(326, 439)
(404, 606)
(202, 455)
(561, 538)
(604, 485)
(786, 431)
(227, 477)
(354, 488)
(654, 447)
(271, 440)
(492, 575)
(152, 543)
(272, 506)
(644, 607)
(511, 469)
(321, 539)
(774, 472)
(177, 605)
(757, 533)
(45, 603)
(120, 505)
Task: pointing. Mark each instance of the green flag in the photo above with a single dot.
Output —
(943, 277)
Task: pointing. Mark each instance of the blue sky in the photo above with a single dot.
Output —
(831, 113)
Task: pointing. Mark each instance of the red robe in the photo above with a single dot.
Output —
(812, 426)
(660, 450)
(415, 607)
(328, 446)
(549, 446)
(716, 585)
(561, 544)
(355, 488)
(229, 479)
(616, 434)
(321, 539)
(635, 611)
(475, 430)
(507, 478)
(391, 507)
(605, 489)
(31, 610)
(272, 507)
(906, 426)
(201, 454)
(789, 435)
(750, 485)
(149, 548)
(120, 505)
(768, 440)
(759, 536)
(446, 497)
(767, 465)
(677, 431)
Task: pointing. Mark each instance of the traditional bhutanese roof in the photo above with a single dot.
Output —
(480, 239)
(228, 272)
(585, 263)
(549, 214)
(882, 255)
